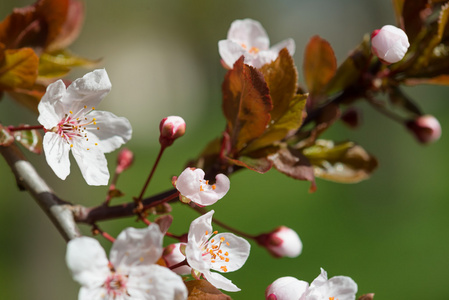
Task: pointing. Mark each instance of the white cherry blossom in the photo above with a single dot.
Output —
(248, 38)
(209, 250)
(192, 186)
(72, 122)
(287, 288)
(131, 272)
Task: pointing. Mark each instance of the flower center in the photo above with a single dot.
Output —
(115, 284)
(76, 126)
(206, 186)
(252, 50)
(212, 247)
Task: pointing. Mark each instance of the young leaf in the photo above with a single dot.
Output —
(6, 138)
(30, 139)
(345, 162)
(246, 104)
(29, 97)
(412, 17)
(59, 63)
(203, 290)
(18, 69)
(260, 165)
(319, 66)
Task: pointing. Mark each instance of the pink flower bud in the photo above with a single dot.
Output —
(281, 242)
(172, 256)
(389, 43)
(171, 128)
(124, 160)
(425, 128)
(286, 288)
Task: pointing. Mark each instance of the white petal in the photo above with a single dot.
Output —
(112, 131)
(220, 282)
(189, 181)
(287, 288)
(92, 162)
(87, 91)
(249, 32)
(96, 293)
(50, 107)
(155, 282)
(288, 43)
(196, 259)
(137, 246)
(230, 52)
(56, 151)
(199, 227)
(340, 287)
(238, 251)
(87, 260)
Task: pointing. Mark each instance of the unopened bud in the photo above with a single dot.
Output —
(281, 242)
(425, 128)
(171, 128)
(173, 255)
(389, 43)
(124, 160)
(286, 288)
(352, 117)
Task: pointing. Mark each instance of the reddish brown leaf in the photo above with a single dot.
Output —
(319, 66)
(18, 69)
(203, 290)
(413, 17)
(246, 104)
(30, 139)
(29, 98)
(438, 80)
(367, 297)
(260, 165)
(294, 164)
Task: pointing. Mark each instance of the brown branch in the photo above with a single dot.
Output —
(58, 211)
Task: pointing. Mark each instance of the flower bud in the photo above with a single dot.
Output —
(352, 117)
(286, 288)
(172, 255)
(171, 128)
(124, 160)
(425, 128)
(389, 44)
(281, 242)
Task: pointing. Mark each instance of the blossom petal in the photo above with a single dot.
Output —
(95, 293)
(237, 250)
(199, 227)
(87, 260)
(250, 33)
(288, 43)
(87, 91)
(92, 162)
(50, 107)
(57, 154)
(220, 282)
(287, 288)
(137, 246)
(155, 282)
(339, 287)
(112, 131)
(230, 52)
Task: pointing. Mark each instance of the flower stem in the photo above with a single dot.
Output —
(183, 263)
(97, 230)
(202, 211)
(111, 188)
(25, 127)
(161, 151)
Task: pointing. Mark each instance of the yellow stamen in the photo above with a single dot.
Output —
(71, 145)
(214, 187)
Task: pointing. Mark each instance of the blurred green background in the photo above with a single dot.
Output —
(390, 233)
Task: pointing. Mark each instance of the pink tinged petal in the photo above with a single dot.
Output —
(234, 252)
(87, 91)
(111, 131)
(155, 282)
(92, 162)
(173, 256)
(389, 43)
(287, 288)
(220, 282)
(288, 43)
(87, 261)
(195, 258)
(230, 52)
(199, 228)
(50, 108)
(339, 287)
(56, 151)
(250, 33)
(137, 246)
(290, 244)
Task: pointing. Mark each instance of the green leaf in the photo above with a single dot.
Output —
(319, 66)
(30, 139)
(18, 69)
(246, 104)
(345, 162)
(6, 138)
(294, 164)
(59, 63)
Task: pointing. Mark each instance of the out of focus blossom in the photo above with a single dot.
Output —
(283, 241)
(193, 187)
(171, 128)
(321, 288)
(389, 43)
(72, 123)
(173, 255)
(209, 250)
(124, 160)
(248, 38)
(131, 272)
(425, 128)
